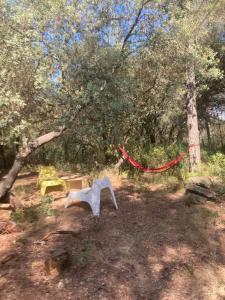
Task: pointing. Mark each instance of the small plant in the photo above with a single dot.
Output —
(190, 268)
(28, 214)
(21, 240)
(17, 216)
(46, 209)
(97, 226)
(31, 214)
(86, 255)
(217, 165)
(23, 189)
(206, 213)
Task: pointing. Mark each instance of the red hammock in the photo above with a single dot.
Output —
(152, 170)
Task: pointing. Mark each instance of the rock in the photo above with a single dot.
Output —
(202, 181)
(67, 280)
(199, 190)
(191, 198)
(60, 285)
(58, 260)
(112, 214)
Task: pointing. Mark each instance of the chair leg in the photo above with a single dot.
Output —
(68, 202)
(113, 198)
(95, 203)
(64, 187)
(43, 190)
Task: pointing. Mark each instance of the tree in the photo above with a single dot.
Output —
(201, 61)
(72, 78)
(188, 49)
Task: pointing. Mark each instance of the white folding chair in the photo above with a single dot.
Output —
(92, 195)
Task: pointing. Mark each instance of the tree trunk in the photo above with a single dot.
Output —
(119, 163)
(221, 136)
(2, 154)
(192, 120)
(208, 133)
(21, 157)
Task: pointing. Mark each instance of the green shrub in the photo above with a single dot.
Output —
(205, 157)
(206, 213)
(28, 214)
(155, 157)
(46, 209)
(33, 213)
(217, 164)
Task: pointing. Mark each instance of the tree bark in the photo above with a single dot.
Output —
(221, 136)
(2, 153)
(24, 152)
(119, 163)
(208, 134)
(192, 120)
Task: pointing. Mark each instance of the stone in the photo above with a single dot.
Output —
(199, 190)
(191, 198)
(202, 181)
(112, 214)
(60, 284)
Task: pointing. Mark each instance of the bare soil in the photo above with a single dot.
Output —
(152, 247)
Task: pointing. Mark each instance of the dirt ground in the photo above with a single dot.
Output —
(152, 247)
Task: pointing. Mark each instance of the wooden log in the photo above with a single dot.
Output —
(5, 206)
(73, 233)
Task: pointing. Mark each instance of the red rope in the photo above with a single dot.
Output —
(165, 167)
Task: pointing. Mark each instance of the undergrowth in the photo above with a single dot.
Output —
(213, 165)
(33, 213)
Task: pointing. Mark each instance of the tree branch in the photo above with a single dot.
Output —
(134, 24)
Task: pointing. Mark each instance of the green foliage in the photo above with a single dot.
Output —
(46, 209)
(205, 155)
(21, 240)
(85, 255)
(217, 165)
(157, 156)
(189, 267)
(28, 214)
(33, 213)
(23, 190)
(206, 213)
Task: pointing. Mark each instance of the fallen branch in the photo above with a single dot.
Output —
(21, 157)
(73, 233)
(7, 258)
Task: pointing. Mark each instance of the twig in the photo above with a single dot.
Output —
(73, 233)
(7, 258)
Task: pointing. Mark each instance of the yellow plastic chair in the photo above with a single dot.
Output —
(48, 177)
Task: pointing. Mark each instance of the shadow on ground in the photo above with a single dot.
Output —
(153, 247)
